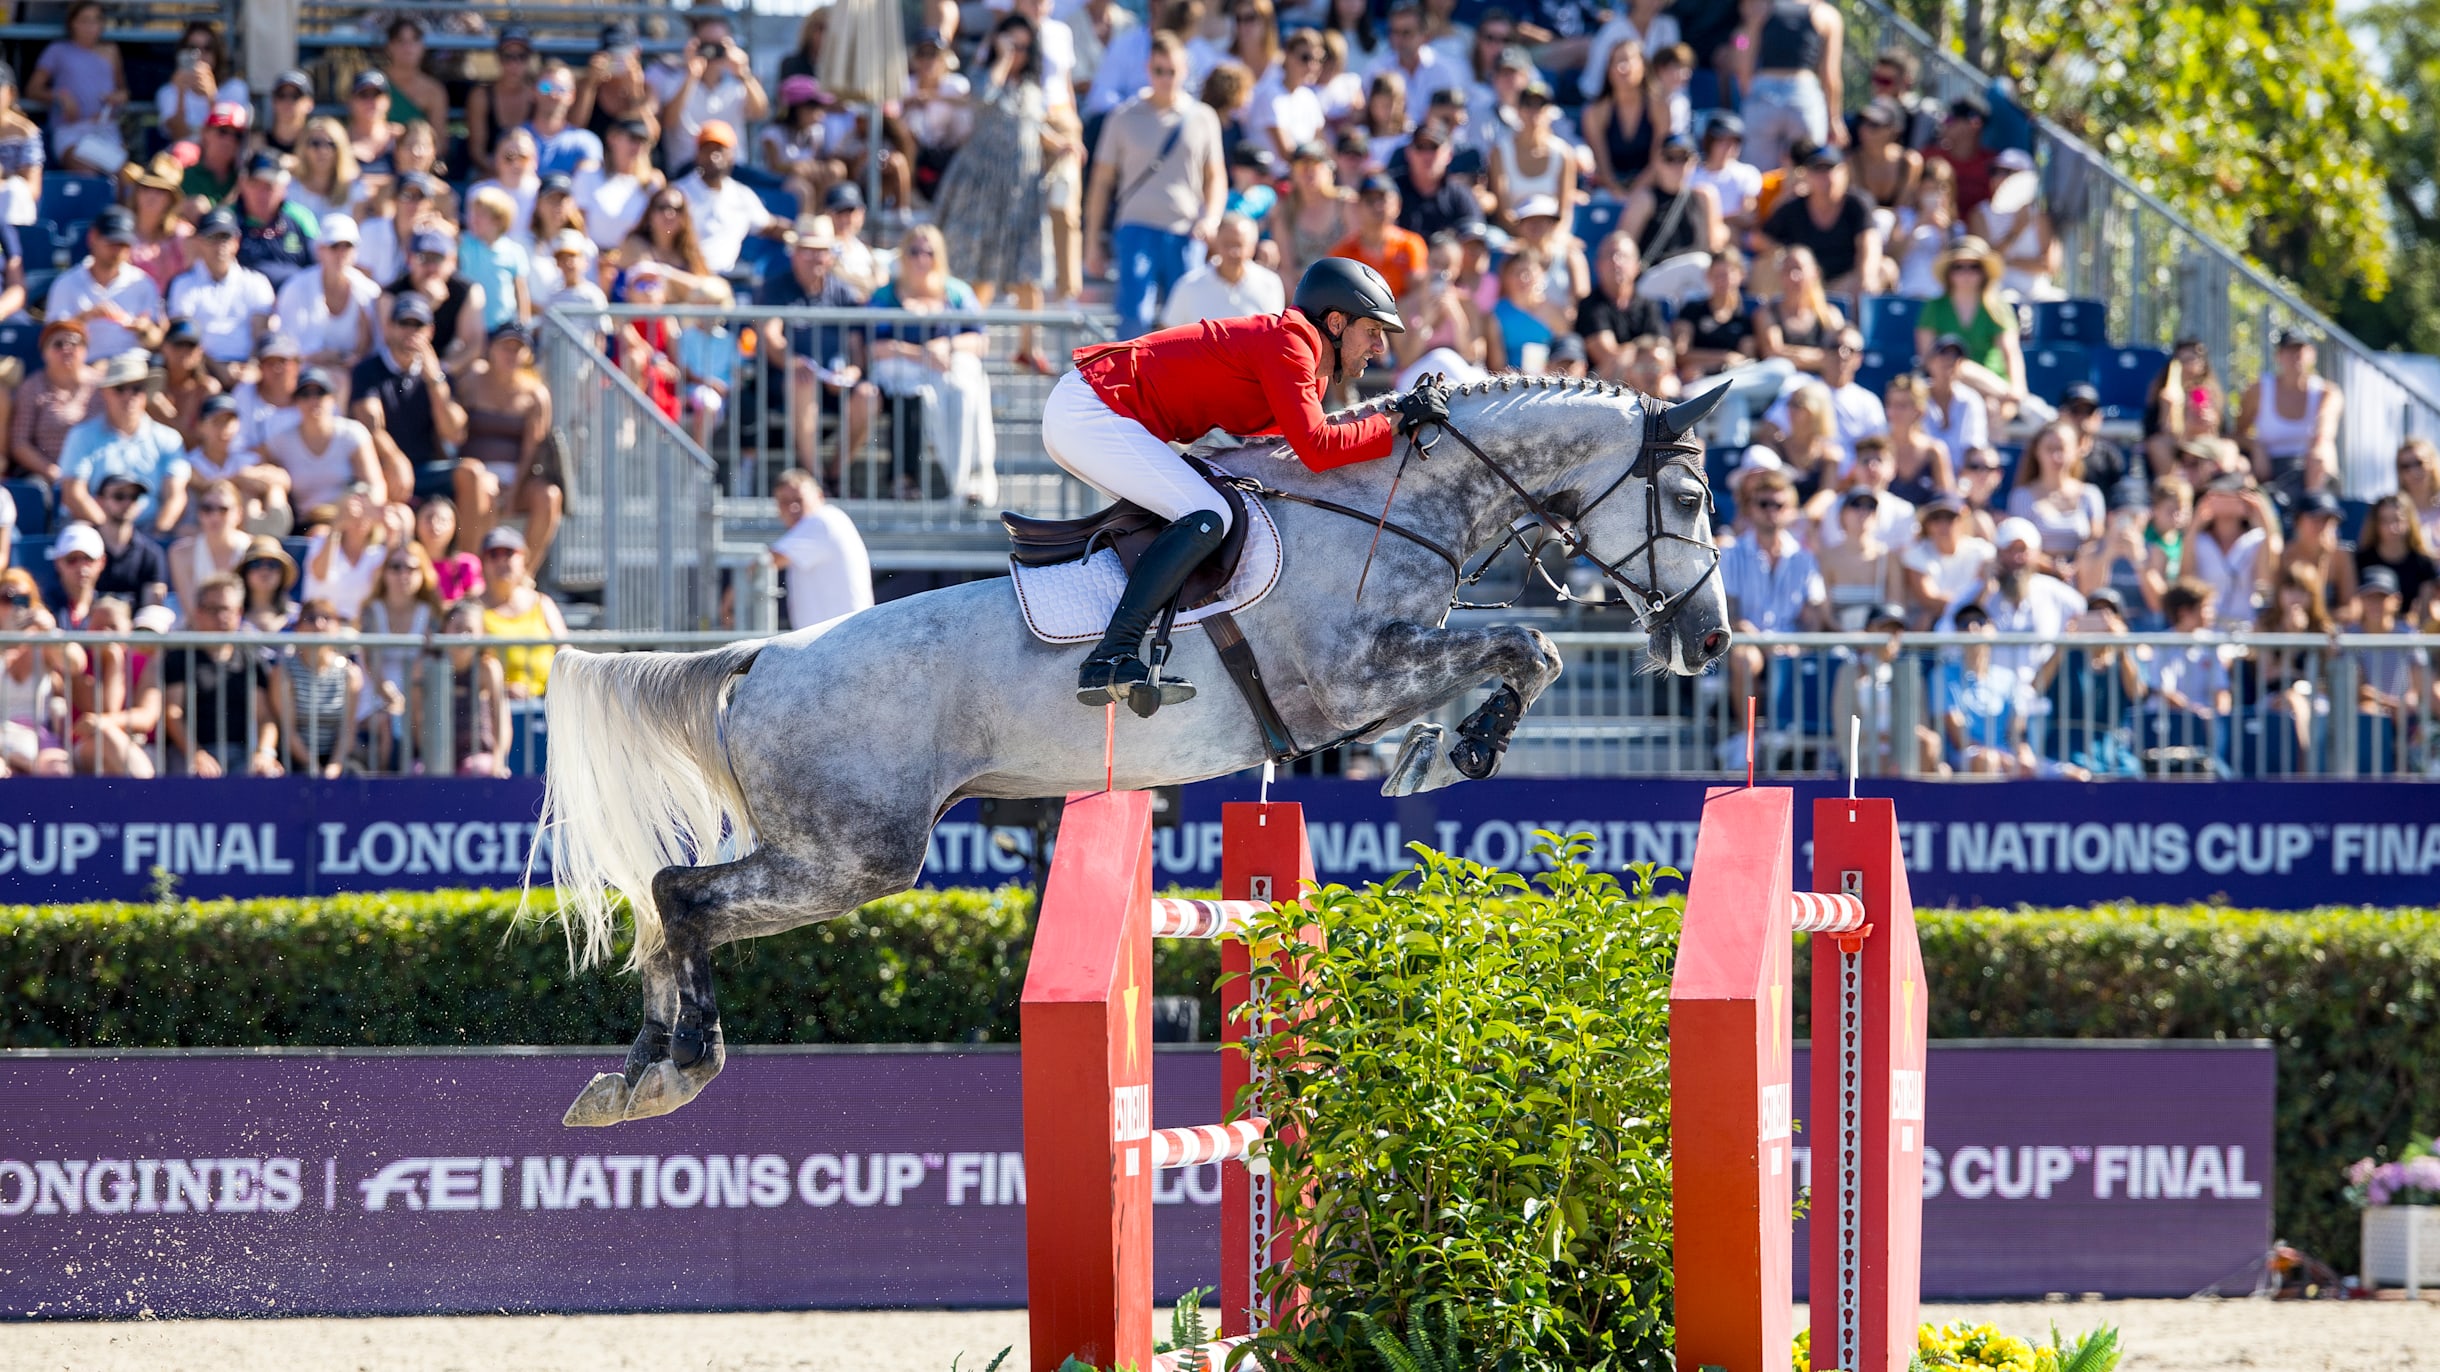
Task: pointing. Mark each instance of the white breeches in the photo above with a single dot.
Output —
(1097, 445)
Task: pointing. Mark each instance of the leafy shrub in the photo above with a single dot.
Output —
(1473, 1113)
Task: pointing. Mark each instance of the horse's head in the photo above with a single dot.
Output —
(1641, 513)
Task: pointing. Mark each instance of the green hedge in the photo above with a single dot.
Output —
(2351, 997)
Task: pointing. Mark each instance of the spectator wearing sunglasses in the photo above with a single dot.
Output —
(133, 564)
(127, 442)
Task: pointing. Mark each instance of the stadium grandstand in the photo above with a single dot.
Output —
(339, 332)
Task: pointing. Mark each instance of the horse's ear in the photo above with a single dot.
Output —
(1679, 419)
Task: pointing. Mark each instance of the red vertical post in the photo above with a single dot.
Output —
(1263, 855)
(1856, 850)
(1730, 1051)
(1087, 1027)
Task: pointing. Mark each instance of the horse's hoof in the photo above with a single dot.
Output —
(663, 1088)
(603, 1101)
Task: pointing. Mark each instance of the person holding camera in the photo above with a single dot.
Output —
(719, 87)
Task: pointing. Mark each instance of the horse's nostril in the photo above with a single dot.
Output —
(1715, 643)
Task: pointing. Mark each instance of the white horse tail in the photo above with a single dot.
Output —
(638, 780)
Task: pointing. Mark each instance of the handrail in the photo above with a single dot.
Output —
(580, 339)
(2254, 274)
(841, 314)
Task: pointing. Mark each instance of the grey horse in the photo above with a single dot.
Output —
(764, 785)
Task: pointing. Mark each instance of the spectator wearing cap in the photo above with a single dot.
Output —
(1961, 146)
(795, 146)
(2393, 680)
(372, 134)
(276, 235)
(1735, 184)
(404, 400)
(133, 563)
(1953, 412)
(213, 457)
(1832, 218)
(1378, 242)
(1160, 159)
(212, 178)
(186, 382)
(1772, 582)
(161, 231)
(2020, 598)
(1885, 167)
(493, 261)
(114, 300)
(76, 570)
(2313, 544)
(514, 608)
(724, 210)
(230, 304)
(50, 402)
(2106, 466)
(414, 92)
(823, 360)
(1855, 411)
(718, 85)
(1790, 77)
(613, 195)
(291, 111)
(459, 306)
(2288, 421)
(330, 311)
(267, 405)
(1253, 175)
(1676, 223)
(1945, 560)
(1230, 285)
(326, 454)
(495, 107)
(1415, 60)
(855, 262)
(615, 88)
(569, 283)
(124, 440)
(2016, 222)
(1972, 311)
(1613, 315)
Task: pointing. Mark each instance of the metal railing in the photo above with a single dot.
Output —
(1929, 706)
(564, 30)
(643, 524)
(910, 485)
(2165, 279)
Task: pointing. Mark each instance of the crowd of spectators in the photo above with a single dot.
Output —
(295, 358)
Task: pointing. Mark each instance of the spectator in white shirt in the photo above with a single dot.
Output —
(195, 87)
(1855, 411)
(1414, 60)
(230, 304)
(2020, 600)
(330, 311)
(1232, 285)
(117, 303)
(719, 86)
(724, 210)
(1947, 558)
(614, 194)
(1287, 108)
(1736, 183)
(829, 573)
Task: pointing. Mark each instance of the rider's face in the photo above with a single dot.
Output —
(1362, 341)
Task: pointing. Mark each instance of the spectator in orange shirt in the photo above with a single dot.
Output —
(1378, 242)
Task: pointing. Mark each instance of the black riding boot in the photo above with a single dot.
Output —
(1115, 669)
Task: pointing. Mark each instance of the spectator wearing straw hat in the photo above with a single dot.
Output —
(1970, 310)
(124, 440)
(230, 303)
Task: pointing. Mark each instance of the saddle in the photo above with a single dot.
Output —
(1126, 529)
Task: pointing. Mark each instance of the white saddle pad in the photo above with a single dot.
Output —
(1072, 602)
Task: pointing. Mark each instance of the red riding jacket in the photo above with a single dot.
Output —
(1260, 375)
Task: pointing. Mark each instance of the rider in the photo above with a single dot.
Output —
(1111, 421)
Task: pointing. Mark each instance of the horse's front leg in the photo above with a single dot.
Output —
(1409, 670)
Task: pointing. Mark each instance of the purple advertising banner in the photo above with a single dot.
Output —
(361, 1183)
(2273, 845)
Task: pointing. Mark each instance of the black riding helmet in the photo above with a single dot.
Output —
(1351, 288)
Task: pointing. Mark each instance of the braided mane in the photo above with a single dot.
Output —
(1510, 381)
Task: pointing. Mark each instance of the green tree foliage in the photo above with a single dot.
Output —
(1473, 1112)
(2259, 121)
(2408, 35)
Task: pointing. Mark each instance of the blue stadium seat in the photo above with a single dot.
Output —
(22, 339)
(2351, 519)
(1889, 322)
(33, 505)
(2051, 368)
(2071, 321)
(762, 259)
(781, 204)
(1594, 220)
(71, 198)
(33, 552)
(1880, 366)
(2124, 376)
(1703, 91)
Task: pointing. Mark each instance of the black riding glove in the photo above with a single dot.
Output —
(1427, 403)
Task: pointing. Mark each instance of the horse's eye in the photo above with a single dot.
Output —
(1690, 500)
